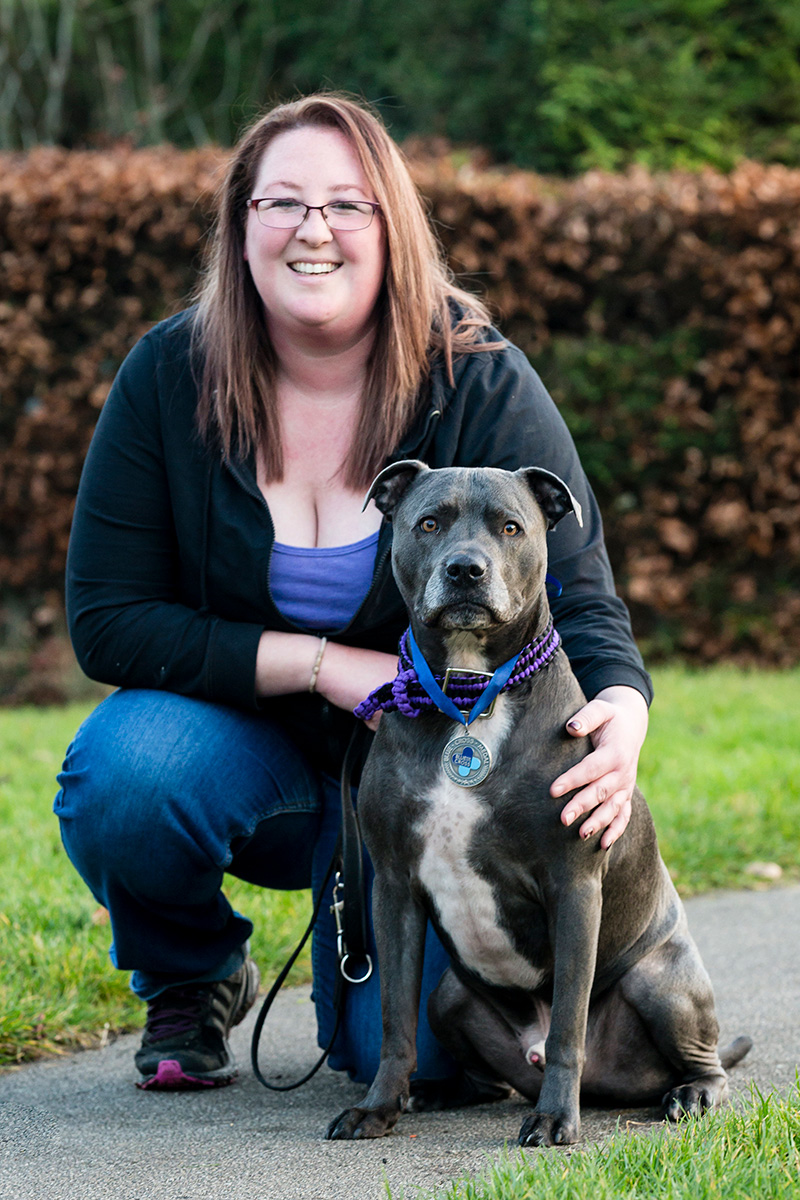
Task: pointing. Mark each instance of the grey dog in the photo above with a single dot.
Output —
(572, 968)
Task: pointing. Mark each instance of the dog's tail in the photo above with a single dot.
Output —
(733, 1053)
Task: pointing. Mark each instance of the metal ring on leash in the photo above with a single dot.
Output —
(355, 747)
(349, 978)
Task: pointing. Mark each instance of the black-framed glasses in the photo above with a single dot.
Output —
(283, 213)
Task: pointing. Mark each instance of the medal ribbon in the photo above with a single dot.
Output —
(442, 701)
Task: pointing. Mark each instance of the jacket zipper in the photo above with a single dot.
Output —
(245, 483)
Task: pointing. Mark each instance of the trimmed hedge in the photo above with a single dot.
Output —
(663, 312)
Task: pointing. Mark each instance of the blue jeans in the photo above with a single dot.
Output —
(160, 796)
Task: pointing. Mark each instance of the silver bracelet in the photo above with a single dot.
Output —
(312, 683)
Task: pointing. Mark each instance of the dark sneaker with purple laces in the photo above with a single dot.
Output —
(185, 1043)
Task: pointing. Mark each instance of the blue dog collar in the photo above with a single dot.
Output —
(407, 694)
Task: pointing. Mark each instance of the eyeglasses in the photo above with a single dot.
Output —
(290, 214)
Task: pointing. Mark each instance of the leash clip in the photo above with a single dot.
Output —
(337, 908)
(487, 712)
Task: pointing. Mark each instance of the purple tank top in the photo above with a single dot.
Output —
(322, 587)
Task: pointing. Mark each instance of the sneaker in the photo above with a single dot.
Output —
(185, 1043)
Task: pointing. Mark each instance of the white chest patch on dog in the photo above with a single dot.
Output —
(464, 900)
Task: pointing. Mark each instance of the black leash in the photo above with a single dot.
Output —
(350, 912)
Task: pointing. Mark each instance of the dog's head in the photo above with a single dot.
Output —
(469, 542)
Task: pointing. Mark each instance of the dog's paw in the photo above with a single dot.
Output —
(693, 1099)
(543, 1129)
(356, 1123)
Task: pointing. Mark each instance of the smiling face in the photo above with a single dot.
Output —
(314, 278)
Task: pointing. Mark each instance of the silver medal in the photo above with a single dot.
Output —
(466, 761)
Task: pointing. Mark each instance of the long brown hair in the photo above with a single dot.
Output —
(238, 383)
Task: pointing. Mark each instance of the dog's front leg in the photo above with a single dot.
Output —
(556, 1118)
(400, 939)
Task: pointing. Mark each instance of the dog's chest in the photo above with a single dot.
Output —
(464, 899)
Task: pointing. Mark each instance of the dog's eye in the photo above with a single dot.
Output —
(511, 528)
(429, 525)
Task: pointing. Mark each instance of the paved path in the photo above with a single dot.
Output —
(77, 1129)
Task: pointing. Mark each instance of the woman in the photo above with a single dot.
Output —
(223, 576)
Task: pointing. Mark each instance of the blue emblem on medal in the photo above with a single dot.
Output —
(466, 761)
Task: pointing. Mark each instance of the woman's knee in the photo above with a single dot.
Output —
(153, 773)
(115, 787)
(121, 766)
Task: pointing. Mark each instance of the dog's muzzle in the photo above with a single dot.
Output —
(460, 596)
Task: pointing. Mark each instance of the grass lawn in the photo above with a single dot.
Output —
(721, 770)
(751, 1152)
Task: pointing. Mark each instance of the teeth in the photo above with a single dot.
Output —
(308, 268)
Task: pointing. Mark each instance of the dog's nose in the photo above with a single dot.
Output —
(464, 566)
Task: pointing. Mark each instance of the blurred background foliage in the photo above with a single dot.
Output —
(560, 86)
(659, 300)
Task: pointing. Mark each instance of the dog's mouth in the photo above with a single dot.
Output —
(462, 614)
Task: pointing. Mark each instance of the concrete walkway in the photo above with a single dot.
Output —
(77, 1128)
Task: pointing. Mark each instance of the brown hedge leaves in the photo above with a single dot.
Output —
(93, 249)
(701, 493)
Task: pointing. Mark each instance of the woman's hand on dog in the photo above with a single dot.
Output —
(616, 721)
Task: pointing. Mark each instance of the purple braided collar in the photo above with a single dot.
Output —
(405, 693)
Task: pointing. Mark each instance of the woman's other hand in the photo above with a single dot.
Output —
(346, 675)
(616, 721)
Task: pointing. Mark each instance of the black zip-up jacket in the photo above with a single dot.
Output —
(168, 566)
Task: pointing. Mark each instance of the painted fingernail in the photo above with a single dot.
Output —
(576, 725)
(587, 833)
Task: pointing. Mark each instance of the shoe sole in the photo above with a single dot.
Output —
(171, 1077)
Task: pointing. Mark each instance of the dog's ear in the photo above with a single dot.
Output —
(552, 494)
(388, 488)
